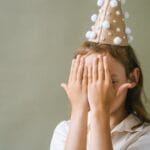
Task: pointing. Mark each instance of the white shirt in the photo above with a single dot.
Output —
(123, 137)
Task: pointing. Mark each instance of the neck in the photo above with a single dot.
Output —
(116, 117)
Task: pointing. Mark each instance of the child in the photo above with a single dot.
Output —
(104, 88)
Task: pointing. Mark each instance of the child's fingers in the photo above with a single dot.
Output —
(106, 69)
(95, 69)
(75, 68)
(80, 70)
(85, 79)
(71, 70)
(100, 69)
(89, 74)
(123, 88)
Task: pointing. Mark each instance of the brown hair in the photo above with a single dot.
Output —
(126, 56)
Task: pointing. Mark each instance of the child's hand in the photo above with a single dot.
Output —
(76, 88)
(101, 92)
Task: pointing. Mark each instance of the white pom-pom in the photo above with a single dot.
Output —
(130, 38)
(100, 3)
(87, 35)
(94, 17)
(90, 35)
(123, 2)
(128, 30)
(114, 21)
(118, 29)
(109, 33)
(117, 40)
(118, 12)
(126, 15)
(124, 37)
(106, 24)
(113, 3)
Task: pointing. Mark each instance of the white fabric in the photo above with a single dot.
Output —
(123, 137)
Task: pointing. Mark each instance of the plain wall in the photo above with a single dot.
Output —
(37, 42)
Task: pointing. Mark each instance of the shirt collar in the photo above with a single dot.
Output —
(126, 125)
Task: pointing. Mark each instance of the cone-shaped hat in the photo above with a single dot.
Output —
(110, 25)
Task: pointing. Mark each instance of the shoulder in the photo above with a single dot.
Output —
(62, 127)
(143, 141)
(59, 135)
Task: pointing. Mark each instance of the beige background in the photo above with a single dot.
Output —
(37, 41)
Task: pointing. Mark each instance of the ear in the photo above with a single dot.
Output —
(134, 77)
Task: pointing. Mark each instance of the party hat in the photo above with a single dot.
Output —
(110, 27)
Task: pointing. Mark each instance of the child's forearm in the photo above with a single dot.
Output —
(76, 139)
(100, 131)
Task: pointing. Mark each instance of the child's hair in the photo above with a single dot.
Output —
(126, 56)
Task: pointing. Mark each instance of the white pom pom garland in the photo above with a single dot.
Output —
(128, 30)
(119, 35)
(117, 40)
(100, 3)
(106, 24)
(94, 17)
(113, 3)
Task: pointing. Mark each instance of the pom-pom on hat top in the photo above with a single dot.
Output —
(110, 25)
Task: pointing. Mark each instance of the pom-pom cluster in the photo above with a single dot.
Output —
(106, 24)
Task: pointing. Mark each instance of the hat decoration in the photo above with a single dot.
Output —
(110, 27)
